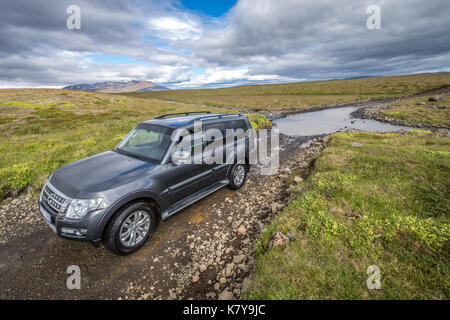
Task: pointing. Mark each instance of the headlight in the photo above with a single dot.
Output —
(79, 208)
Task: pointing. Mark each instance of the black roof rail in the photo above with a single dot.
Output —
(220, 115)
(180, 113)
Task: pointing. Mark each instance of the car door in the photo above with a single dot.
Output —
(185, 179)
(219, 167)
(237, 142)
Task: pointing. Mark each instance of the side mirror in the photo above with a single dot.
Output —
(179, 157)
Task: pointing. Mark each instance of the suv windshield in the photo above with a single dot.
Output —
(146, 142)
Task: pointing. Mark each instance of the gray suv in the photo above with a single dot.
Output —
(119, 196)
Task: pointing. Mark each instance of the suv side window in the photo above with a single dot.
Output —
(238, 124)
(219, 126)
(236, 128)
(190, 139)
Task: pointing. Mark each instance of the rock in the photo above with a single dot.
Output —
(245, 285)
(291, 236)
(304, 165)
(278, 240)
(241, 230)
(222, 280)
(276, 207)
(420, 103)
(217, 286)
(291, 189)
(433, 99)
(336, 210)
(297, 179)
(226, 295)
(356, 144)
(211, 295)
(260, 226)
(195, 279)
(353, 215)
(202, 268)
(243, 267)
(238, 259)
(229, 270)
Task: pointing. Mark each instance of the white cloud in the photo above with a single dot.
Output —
(174, 28)
(219, 75)
(40, 69)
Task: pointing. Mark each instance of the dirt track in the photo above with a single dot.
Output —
(202, 252)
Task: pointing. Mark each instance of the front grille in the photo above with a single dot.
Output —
(54, 199)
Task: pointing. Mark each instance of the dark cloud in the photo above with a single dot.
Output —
(258, 41)
(37, 49)
(327, 38)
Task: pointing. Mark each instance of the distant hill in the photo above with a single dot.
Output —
(118, 86)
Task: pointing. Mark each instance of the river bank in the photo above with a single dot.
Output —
(373, 199)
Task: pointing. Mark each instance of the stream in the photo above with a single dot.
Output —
(329, 121)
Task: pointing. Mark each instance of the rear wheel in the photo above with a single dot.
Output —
(237, 176)
(130, 228)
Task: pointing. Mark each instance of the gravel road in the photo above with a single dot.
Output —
(203, 252)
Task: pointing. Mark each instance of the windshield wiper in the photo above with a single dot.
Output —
(129, 154)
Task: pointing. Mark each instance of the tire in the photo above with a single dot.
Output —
(237, 176)
(131, 220)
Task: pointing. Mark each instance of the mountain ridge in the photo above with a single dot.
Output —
(118, 86)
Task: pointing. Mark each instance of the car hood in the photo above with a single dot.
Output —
(104, 171)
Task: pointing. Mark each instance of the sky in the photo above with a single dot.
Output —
(203, 44)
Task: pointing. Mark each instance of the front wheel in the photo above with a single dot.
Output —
(130, 228)
(237, 176)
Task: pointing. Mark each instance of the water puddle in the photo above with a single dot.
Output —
(329, 121)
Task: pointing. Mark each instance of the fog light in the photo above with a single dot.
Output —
(74, 231)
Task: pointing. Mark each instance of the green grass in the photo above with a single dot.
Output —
(419, 111)
(42, 130)
(259, 121)
(304, 95)
(399, 184)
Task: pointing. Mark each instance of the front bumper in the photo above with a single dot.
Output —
(84, 229)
